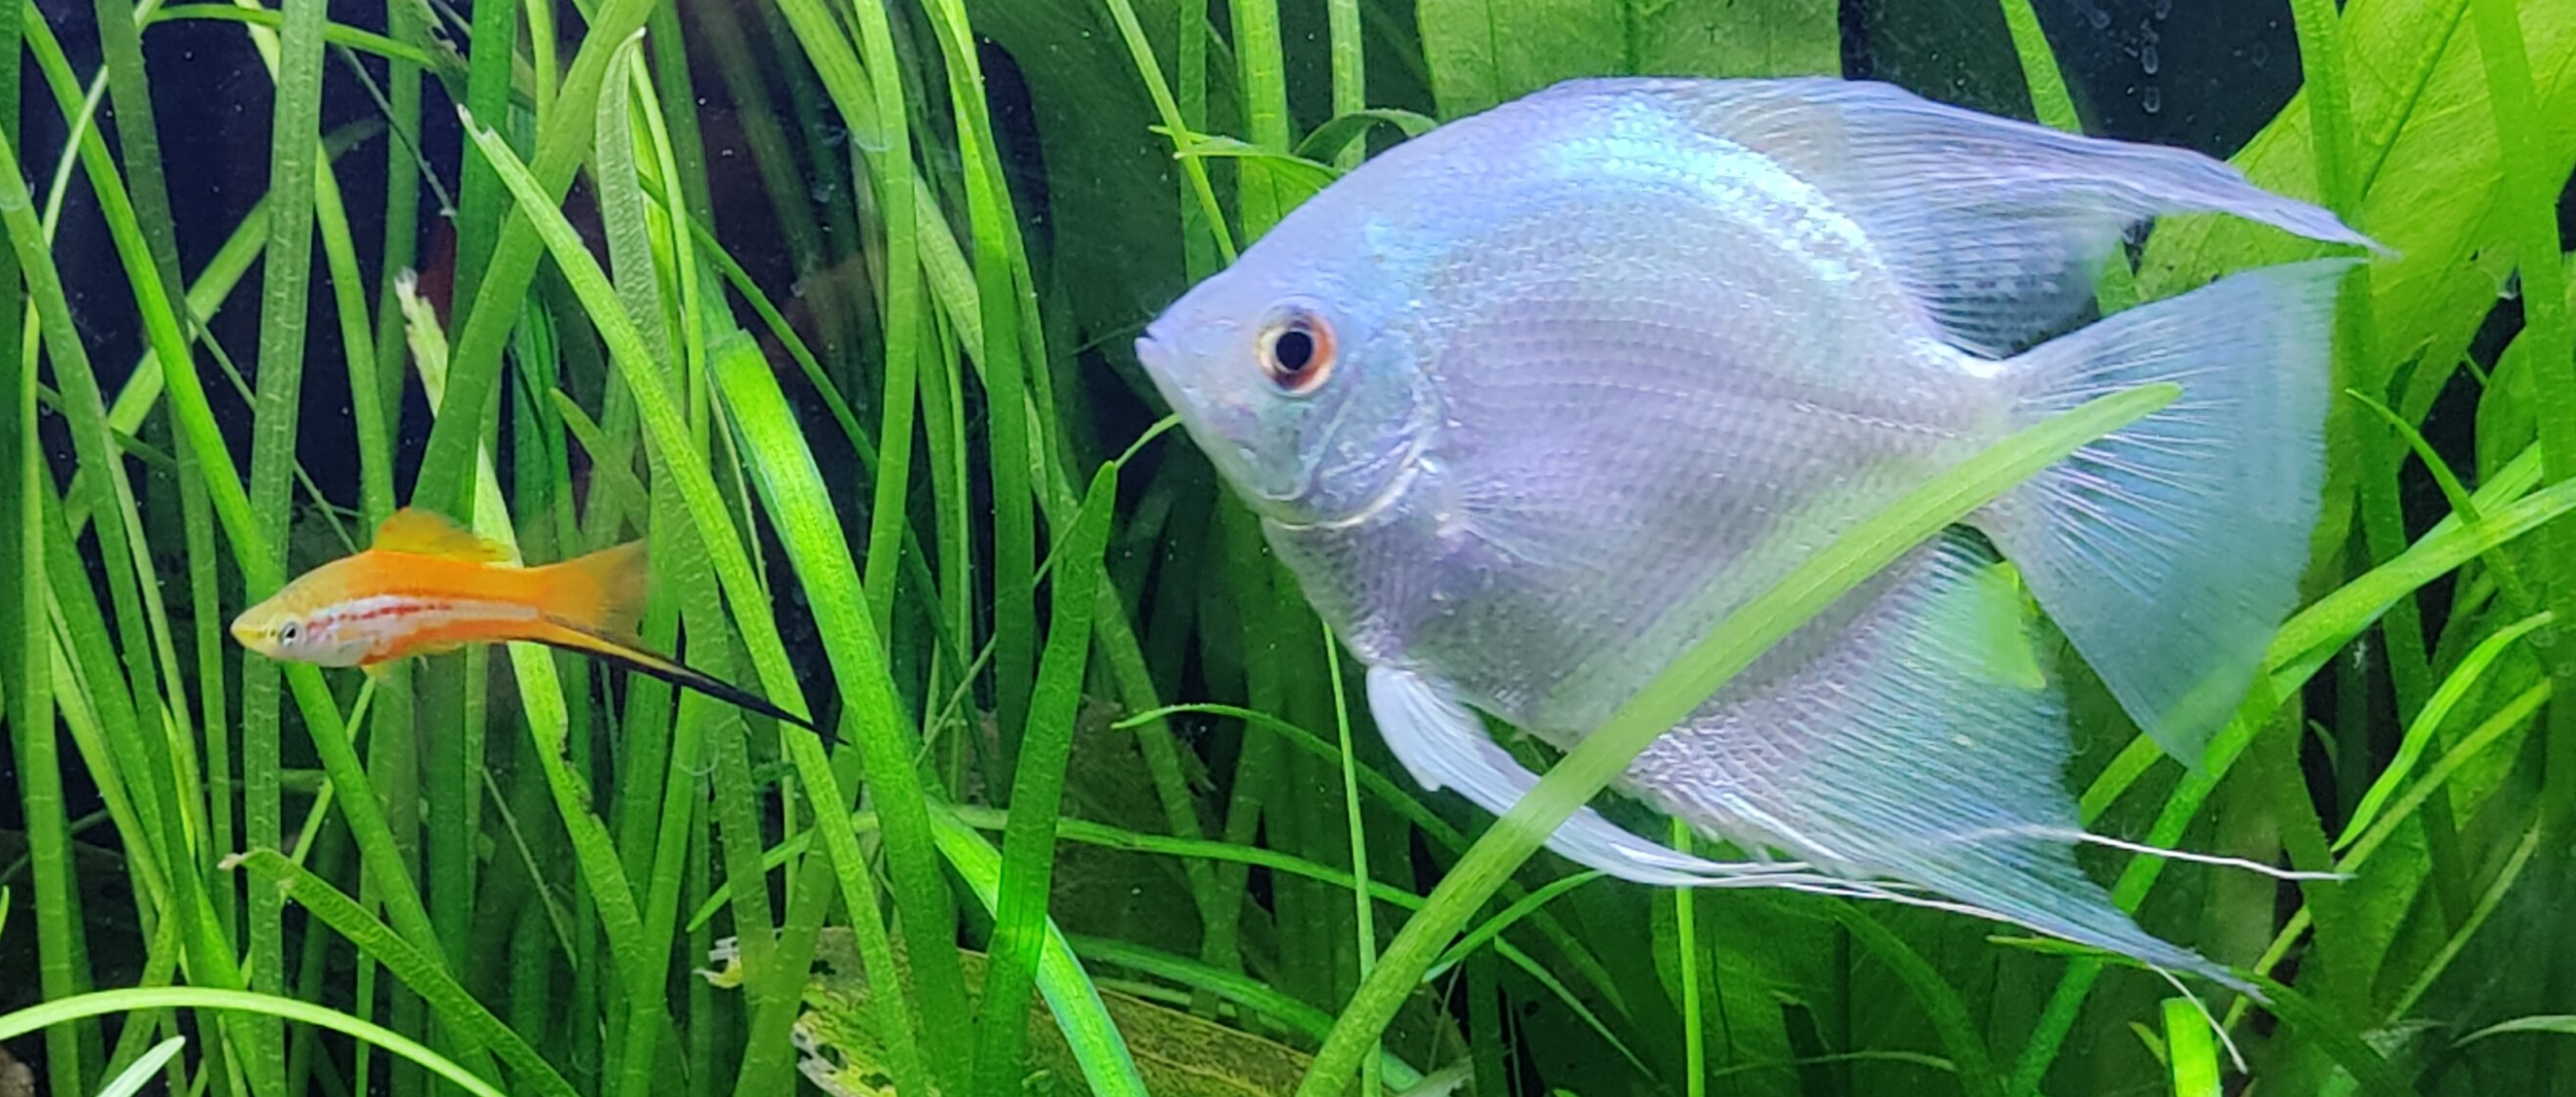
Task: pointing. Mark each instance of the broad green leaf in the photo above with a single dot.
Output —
(1486, 52)
(2429, 165)
(1114, 243)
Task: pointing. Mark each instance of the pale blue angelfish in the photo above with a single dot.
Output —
(1531, 402)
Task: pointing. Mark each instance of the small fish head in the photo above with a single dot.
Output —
(1295, 371)
(292, 628)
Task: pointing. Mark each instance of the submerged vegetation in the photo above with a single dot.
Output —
(830, 302)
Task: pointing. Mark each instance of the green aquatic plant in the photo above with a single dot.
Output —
(897, 470)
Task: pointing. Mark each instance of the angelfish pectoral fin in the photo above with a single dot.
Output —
(1443, 745)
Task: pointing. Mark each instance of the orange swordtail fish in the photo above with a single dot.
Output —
(429, 586)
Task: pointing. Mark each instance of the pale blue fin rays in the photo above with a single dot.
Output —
(2170, 551)
(1443, 745)
(1996, 227)
(1879, 742)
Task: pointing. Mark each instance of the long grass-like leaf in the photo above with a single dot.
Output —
(26, 659)
(106, 1002)
(541, 692)
(157, 807)
(2528, 205)
(446, 466)
(1106, 1063)
(430, 980)
(2419, 735)
(905, 310)
(808, 525)
(1028, 844)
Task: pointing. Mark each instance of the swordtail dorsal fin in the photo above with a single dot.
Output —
(429, 533)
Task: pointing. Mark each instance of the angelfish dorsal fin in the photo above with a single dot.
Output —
(429, 533)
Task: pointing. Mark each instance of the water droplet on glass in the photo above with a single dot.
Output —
(2152, 99)
(2148, 60)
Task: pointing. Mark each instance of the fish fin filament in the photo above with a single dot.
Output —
(1878, 743)
(424, 532)
(619, 653)
(2170, 550)
(1998, 227)
(1443, 744)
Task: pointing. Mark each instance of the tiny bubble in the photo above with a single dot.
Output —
(2148, 60)
(2153, 99)
(2162, 9)
(2098, 17)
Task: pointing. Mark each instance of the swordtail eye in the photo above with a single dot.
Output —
(1297, 350)
(289, 632)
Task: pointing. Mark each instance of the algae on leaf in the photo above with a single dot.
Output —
(1179, 1055)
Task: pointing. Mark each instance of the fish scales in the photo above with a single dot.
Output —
(429, 586)
(1530, 402)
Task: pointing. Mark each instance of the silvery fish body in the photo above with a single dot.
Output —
(1532, 401)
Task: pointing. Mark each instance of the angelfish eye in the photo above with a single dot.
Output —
(1297, 350)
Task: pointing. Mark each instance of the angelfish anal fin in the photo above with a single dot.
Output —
(1443, 744)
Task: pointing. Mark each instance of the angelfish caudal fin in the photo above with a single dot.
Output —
(1909, 735)
(2169, 551)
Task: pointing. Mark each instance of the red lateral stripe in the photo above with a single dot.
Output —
(402, 608)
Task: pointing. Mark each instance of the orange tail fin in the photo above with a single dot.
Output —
(602, 593)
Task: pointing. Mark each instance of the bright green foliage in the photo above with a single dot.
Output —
(880, 427)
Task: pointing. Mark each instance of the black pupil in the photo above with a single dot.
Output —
(289, 632)
(1294, 351)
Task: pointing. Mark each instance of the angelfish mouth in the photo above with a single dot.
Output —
(1213, 424)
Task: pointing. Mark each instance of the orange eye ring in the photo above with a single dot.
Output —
(1297, 351)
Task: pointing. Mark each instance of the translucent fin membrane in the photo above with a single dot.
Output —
(1883, 742)
(2170, 551)
(1998, 227)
